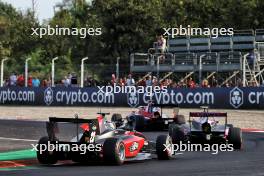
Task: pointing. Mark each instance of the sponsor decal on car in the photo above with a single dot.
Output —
(133, 147)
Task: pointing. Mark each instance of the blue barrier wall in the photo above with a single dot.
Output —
(230, 98)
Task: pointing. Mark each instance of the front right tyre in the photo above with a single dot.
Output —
(114, 151)
(176, 133)
(164, 147)
(235, 137)
(45, 157)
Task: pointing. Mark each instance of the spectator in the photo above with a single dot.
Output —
(73, 80)
(122, 82)
(214, 82)
(182, 84)
(88, 82)
(49, 82)
(69, 79)
(205, 83)
(94, 83)
(155, 81)
(191, 83)
(239, 82)
(161, 44)
(66, 81)
(251, 58)
(6, 82)
(113, 80)
(13, 80)
(46, 83)
(30, 81)
(231, 84)
(166, 82)
(35, 82)
(125, 80)
(161, 47)
(148, 81)
(174, 85)
(21, 80)
(130, 81)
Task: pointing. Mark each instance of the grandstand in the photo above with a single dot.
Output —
(202, 57)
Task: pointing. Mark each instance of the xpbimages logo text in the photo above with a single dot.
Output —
(189, 147)
(197, 31)
(66, 31)
(58, 147)
(147, 90)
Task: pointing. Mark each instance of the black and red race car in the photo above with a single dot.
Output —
(153, 118)
(206, 127)
(96, 140)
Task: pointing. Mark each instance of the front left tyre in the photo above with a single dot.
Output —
(114, 151)
(45, 157)
(176, 133)
(235, 137)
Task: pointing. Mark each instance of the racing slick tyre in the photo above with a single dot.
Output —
(235, 137)
(117, 119)
(114, 151)
(176, 133)
(139, 123)
(164, 147)
(45, 157)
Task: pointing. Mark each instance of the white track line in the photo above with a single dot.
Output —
(17, 139)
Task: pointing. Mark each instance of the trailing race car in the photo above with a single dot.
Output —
(98, 141)
(151, 117)
(205, 127)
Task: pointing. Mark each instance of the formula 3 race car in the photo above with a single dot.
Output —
(205, 127)
(105, 142)
(153, 118)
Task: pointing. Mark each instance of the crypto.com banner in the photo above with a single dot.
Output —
(231, 98)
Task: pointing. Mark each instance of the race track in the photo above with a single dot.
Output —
(18, 135)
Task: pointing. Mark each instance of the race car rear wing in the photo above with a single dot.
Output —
(88, 124)
(207, 114)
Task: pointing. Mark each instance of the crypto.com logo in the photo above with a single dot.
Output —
(48, 96)
(236, 97)
(133, 99)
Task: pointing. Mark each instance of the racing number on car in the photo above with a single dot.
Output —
(92, 137)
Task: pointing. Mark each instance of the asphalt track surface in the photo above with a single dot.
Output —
(248, 162)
